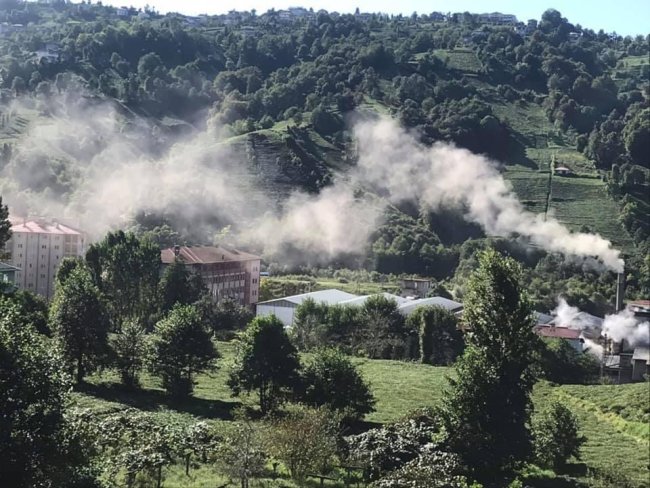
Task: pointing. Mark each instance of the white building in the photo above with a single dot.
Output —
(284, 308)
(36, 248)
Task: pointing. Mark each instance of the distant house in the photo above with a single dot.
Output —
(122, 12)
(572, 336)
(497, 18)
(416, 287)
(640, 308)
(562, 171)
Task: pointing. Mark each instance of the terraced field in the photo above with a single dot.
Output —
(577, 201)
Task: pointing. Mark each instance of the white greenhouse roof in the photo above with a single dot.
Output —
(407, 307)
(359, 301)
(330, 297)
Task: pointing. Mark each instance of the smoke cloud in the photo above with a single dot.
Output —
(116, 166)
(622, 326)
(625, 326)
(445, 176)
(572, 317)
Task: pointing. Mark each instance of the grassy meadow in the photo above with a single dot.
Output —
(614, 418)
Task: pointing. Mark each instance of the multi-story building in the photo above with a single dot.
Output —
(227, 273)
(36, 248)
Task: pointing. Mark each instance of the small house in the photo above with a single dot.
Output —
(417, 287)
(562, 171)
(572, 336)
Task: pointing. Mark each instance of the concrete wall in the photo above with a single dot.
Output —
(284, 313)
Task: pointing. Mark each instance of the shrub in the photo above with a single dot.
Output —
(556, 437)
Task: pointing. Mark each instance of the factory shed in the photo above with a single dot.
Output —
(410, 306)
(285, 308)
(360, 301)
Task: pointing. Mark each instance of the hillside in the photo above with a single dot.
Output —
(276, 100)
(613, 418)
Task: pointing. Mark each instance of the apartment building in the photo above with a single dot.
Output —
(227, 273)
(36, 248)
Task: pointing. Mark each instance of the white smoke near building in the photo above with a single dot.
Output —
(624, 326)
(572, 317)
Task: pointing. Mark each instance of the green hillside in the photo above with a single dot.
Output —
(278, 97)
(612, 418)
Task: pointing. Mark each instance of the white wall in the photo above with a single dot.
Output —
(285, 314)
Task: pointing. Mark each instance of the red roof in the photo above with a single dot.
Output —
(557, 332)
(639, 303)
(205, 255)
(41, 227)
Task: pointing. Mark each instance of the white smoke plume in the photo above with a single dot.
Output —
(572, 317)
(115, 169)
(624, 326)
(443, 175)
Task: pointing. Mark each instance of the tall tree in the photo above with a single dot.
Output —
(130, 347)
(36, 448)
(181, 348)
(79, 321)
(5, 225)
(178, 285)
(265, 361)
(126, 270)
(440, 340)
(487, 409)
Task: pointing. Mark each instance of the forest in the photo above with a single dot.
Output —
(535, 97)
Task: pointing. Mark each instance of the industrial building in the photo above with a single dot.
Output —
(284, 308)
(36, 248)
(227, 273)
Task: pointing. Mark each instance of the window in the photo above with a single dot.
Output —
(20, 246)
(56, 247)
(43, 246)
(42, 276)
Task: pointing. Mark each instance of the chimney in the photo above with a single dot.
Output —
(177, 250)
(620, 292)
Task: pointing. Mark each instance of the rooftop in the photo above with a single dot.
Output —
(407, 307)
(330, 297)
(205, 255)
(557, 332)
(41, 227)
(359, 301)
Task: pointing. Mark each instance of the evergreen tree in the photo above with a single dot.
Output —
(179, 286)
(79, 321)
(487, 409)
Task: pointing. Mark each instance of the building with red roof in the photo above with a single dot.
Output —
(227, 273)
(572, 336)
(36, 248)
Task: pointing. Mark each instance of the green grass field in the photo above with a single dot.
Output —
(464, 60)
(614, 418)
